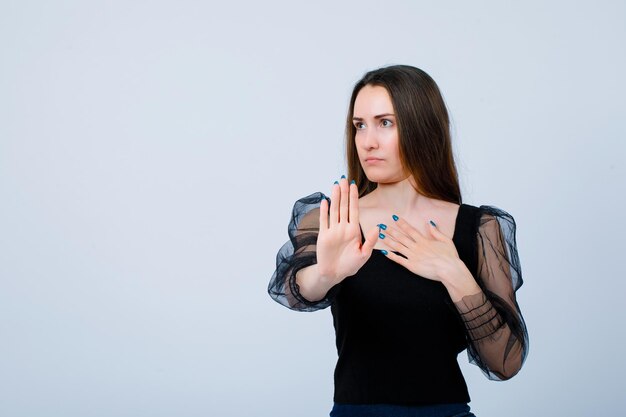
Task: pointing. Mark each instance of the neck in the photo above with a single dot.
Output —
(399, 197)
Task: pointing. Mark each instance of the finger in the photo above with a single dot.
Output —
(407, 229)
(396, 258)
(334, 204)
(371, 237)
(353, 216)
(435, 232)
(323, 215)
(396, 238)
(391, 242)
(395, 233)
(343, 204)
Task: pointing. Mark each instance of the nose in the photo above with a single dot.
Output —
(370, 139)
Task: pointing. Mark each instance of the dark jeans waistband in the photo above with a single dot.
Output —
(392, 410)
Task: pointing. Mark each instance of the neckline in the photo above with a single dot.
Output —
(454, 234)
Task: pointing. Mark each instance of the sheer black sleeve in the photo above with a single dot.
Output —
(495, 328)
(298, 253)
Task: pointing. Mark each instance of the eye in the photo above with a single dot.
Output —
(358, 124)
(389, 122)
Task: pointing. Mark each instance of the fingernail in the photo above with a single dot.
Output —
(336, 182)
(343, 176)
(380, 235)
(433, 223)
(395, 218)
(384, 252)
(353, 182)
(382, 226)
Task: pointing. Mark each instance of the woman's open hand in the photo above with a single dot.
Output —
(430, 255)
(339, 250)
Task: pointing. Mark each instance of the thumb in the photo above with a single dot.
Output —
(370, 240)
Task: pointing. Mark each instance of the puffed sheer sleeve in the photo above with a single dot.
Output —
(297, 253)
(495, 329)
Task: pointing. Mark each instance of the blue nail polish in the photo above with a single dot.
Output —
(380, 235)
(336, 182)
(384, 252)
(343, 176)
(382, 226)
(433, 223)
(353, 182)
(395, 218)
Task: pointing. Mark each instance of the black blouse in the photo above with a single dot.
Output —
(398, 334)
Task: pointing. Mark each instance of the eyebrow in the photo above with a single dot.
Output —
(375, 117)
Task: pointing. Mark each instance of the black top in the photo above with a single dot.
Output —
(398, 334)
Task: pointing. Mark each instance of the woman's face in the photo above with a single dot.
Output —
(376, 137)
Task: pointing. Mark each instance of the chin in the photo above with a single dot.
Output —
(378, 178)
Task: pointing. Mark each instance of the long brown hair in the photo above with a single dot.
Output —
(425, 146)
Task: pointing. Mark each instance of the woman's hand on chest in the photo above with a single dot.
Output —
(431, 255)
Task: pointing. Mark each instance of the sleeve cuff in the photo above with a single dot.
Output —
(480, 318)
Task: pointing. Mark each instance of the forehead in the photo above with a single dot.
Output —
(372, 100)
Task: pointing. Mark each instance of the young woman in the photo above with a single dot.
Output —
(413, 275)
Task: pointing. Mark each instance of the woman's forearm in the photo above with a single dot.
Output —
(312, 286)
(459, 281)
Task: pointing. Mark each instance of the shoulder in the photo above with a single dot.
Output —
(306, 211)
(443, 206)
(491, 214)
(487, 219)
(495, 222)
(488, 212)
(309, 201)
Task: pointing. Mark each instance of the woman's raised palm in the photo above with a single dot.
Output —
(339, 250)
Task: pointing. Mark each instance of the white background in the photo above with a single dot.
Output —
(151, 152)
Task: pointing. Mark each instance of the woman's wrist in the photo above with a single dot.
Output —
(459, 281)
(326, 282)
(313, 286)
